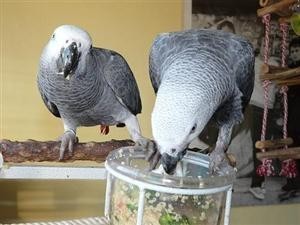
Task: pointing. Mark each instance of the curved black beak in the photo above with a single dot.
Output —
(68, 60)
(169, 163)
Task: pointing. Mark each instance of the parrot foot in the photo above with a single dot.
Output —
(68, 139)
(218, 163)
(221, 163)
(153, 155)
(143, 142)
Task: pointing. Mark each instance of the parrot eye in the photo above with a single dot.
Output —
(193, 128)
(53, 35)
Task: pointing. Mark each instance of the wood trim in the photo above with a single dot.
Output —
(187, 14)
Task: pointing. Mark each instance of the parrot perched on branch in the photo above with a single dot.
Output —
(199, 76)
(87, 86)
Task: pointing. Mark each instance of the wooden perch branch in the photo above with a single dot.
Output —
(281, 8)
(37, 151)
(277, 143)
(290, 153)
(282, 74)
(289, 82)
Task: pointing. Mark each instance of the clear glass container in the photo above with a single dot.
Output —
(136, 196)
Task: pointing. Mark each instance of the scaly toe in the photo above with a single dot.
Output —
(216, 158)
(154, 160)
(68, 140)
(143, 142)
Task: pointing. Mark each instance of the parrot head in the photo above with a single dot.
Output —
(66, 46)
(175, 123)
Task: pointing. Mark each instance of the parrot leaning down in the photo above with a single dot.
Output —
(87, 86)
(199, 76)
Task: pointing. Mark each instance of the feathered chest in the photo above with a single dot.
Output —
(78, 93)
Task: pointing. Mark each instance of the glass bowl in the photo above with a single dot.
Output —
(136, 196)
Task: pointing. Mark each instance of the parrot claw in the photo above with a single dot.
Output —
(151, 150)
(143, 142)
(68, 140)
(220, 163)
(153, 155)
(153, 161)
(217, 158)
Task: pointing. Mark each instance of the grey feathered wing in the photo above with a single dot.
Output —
(119, 77)
(153, 72)
(50, 105)
(159, 51)
(245, 72)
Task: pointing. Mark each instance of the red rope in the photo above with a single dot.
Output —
(288, 167)
(266, 168)
(283, 91)
(265, 84)
(266, 20)
(284, 29)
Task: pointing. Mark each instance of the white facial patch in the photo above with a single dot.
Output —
(64, 35)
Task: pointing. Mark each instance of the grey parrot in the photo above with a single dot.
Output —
(87, 86)
(199, 77)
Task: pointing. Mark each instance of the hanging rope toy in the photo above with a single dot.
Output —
(288, 167)
(266, 168)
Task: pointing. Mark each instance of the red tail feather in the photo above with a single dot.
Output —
(104, 129)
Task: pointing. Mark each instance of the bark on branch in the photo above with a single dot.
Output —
(38, 151)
